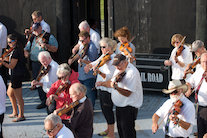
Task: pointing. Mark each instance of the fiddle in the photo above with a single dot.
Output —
(177, 108)
(80, 54)
(120, 76)
(180, 48)
(40, 75)
(61, 88)
(101, 63)
(69, 108)
(6, 53)
(192, 66)
(126, 49)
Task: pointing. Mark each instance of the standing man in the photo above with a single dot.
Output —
(2, 104)
(81, 116)
(38, 44)
(91, 55)
(3, 45)
(46, 82)
(198, 81)
(94, 36)
(37, 17)
(127, 95)
(180, 125)
(55, 129)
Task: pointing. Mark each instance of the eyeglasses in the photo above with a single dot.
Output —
(82, 40)
(103, 46)
(175, 92)
(11, 41)
(50, 131)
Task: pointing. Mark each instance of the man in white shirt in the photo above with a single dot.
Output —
(127, 95)
(198, 82)
(94, 36)
(46, 82)
(55, 129)
(37, 17)
(2, 103)
(178, 112)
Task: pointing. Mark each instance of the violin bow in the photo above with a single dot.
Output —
(198, 84)
(181, 42)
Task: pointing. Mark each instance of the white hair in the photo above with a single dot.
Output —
(109, 42)
(63, 68)
(45, 54)
(78, 87)
(55, 119)
(83, 24)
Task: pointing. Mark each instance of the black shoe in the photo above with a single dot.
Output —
(40, 106)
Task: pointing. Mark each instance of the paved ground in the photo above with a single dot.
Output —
(33, 126)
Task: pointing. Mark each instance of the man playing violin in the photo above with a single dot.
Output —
(179, 62)
(81, 121)
(178, 112)
(46, 60)
(199, 48)
(39, 43)
(127, 95)
(199, 83)
(66, 77)
(123, 36)
(91, 54)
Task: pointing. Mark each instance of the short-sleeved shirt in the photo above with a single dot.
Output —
(65, 133)
(91, 55)
(131, 82)
(19, 69)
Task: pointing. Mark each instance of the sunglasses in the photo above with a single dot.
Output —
(103, 46)
(11, 41)
(82, 40)
(175, 92)
(49, 131)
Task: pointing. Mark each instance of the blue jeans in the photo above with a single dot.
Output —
(90, 84)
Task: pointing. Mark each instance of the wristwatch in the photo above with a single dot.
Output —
(177, 120)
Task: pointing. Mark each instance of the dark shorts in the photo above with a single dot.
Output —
(16, 82)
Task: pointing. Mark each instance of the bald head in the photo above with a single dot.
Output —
(204, 61)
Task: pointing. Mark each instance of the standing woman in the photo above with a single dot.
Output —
(16, 71)
(124, 37)
(107, 45)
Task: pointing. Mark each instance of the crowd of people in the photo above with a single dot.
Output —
(107, 68)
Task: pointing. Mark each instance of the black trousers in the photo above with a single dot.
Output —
(42, 95)
(1, 122)
(202, 121)
(107, 106)
(126, 117)
(166, 136)
(50, 109)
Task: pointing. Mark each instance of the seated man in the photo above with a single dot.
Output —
(55, 128)
(176, 124)
(81, 121)
(62, 97)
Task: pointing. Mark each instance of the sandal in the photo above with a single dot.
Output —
(19, 119)
(12, 116)
(103, 133)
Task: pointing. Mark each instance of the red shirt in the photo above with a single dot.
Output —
(64, 96)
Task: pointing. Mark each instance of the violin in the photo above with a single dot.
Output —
(177, 108)
(64, 110)
(192, 66)
(7, 52)
(61, 88)
(101, 63)
(40, 75)
(120, 76)
(180, 48)
(80, 54)
(127, 49)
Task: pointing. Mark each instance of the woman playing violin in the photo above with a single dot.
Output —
(16, 71)
(123, 36)
(108, 46)
(65, 75)
(181, 60)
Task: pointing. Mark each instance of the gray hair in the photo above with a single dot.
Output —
(37, 13)
(78, 87)
(63, 68)
(83, 24)
(45, 54)
(54, 118)
(109, 42)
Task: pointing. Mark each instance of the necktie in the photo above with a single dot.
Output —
(196, 93)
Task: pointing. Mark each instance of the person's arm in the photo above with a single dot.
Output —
(176, 120)
(52, 45)
(155, 126)
(12, 64)
(188, 93)
(122, 91)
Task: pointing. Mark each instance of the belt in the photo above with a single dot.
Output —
(203, 106)
(166, 136)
